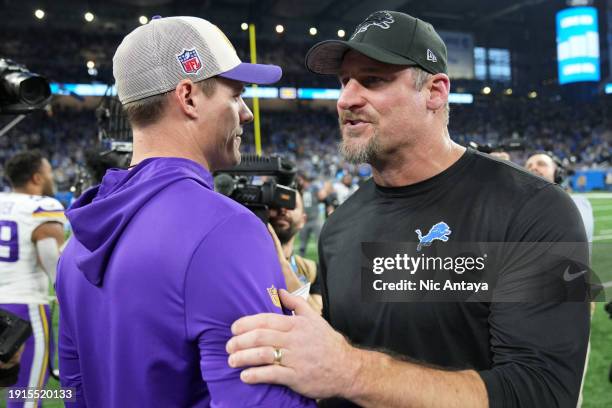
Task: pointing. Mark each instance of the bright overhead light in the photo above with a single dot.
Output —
(91, 64)
(39, 14)
(532, 95)
(280, 28)
(89, 17)
(508, 91)
(244, 26)
(143, 20)
(341, 33)
(313, 31)
(486, 90)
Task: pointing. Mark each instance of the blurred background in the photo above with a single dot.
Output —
(526, 76)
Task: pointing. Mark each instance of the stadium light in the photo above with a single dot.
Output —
(508, 91)
(341, 33)
(279, 28)
(244, 26)
(532, 95)
(91, 64)
(143, 20)
(39, 14)
(313, 31)
(89, 17)
(486, 90)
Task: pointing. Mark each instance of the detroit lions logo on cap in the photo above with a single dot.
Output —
(382, 19)
(190, 61)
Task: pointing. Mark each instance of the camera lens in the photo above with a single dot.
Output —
(34, 90)
(27, 88)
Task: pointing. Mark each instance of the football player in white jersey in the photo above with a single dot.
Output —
(31, 233)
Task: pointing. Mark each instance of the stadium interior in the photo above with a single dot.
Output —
(505, 73)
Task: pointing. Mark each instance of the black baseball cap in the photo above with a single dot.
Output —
(386, 36)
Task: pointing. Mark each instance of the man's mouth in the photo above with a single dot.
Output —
(353, 122)
(355, 125)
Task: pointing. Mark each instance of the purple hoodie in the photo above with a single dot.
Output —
(158, 269)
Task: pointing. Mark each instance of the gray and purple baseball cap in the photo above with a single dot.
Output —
(155, 57)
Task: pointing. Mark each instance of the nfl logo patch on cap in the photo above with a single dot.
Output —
(190, 61)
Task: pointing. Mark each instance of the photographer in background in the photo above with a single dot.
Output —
(299, 271)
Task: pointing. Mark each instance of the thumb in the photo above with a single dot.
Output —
(297, 304)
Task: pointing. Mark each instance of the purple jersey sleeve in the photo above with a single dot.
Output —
(234, 272)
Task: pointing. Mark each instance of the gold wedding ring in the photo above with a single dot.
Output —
(278, 356)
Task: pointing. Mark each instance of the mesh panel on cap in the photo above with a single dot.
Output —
(146, 63)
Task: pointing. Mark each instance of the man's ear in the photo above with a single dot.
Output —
(439, 88)
(37, 179)
(184, 94)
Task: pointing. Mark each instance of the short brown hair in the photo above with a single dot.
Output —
(147, 111)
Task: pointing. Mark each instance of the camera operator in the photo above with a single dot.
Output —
(298, 270)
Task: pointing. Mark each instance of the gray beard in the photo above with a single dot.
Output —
(362, 154)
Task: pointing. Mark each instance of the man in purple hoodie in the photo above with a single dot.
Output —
(160, 265)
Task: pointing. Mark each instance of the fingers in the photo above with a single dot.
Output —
(255, 338)
(299, 305)
(270, 374)
(255, 357)
(272, 321)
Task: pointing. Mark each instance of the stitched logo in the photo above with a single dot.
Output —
(382, 19)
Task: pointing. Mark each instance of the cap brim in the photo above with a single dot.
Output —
(326, 56)
(254, 73)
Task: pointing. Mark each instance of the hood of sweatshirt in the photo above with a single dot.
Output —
(100, 215)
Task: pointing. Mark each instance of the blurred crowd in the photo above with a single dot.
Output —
(580, 134)
(62, 55)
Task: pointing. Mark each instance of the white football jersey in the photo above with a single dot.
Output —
(22, 279)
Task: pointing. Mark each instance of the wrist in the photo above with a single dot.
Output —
(366, 372)
(355, 373)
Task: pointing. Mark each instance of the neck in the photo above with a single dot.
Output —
(161, 140)
(288, 247)
(29, 190)
(417, 162)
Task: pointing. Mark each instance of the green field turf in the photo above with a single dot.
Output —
(597, 389)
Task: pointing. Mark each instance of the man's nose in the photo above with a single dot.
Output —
(350, 96)
(246, 116)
